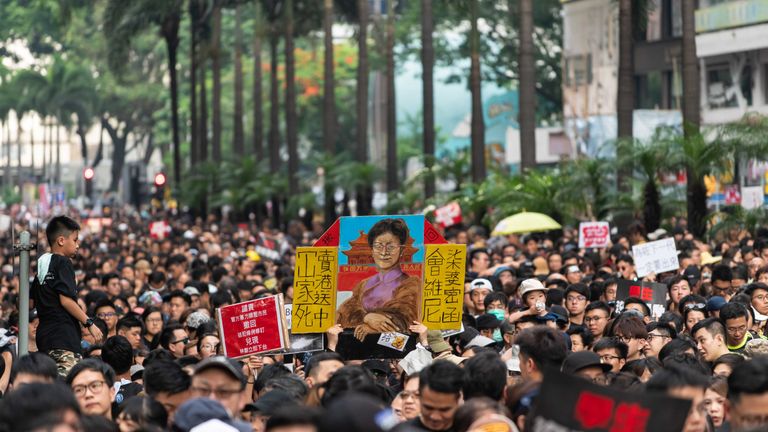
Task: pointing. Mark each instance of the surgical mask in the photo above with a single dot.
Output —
(498, 313)
(497, 335)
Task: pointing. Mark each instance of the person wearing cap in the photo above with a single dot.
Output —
(714, 304)
(220, 379)
(479, 288)
(533, 295)
(267, 405)
(693, 275)
(573, 274)
(585, 364)
(194, 295)
(203, 414)
(576, 300)
(507, 277)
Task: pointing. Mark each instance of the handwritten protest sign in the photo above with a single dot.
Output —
(159, 230)
(314, 288)
(300, 343)
(443, 295)
(448, 215)
(656, 256)
(594, 234)
(652, 293)
(570, 403)
(253, 327)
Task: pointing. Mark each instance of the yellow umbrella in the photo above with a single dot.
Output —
(525, 222)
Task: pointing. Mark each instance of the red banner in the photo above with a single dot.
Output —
(253, 327)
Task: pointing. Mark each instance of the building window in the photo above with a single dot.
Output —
(650, 91)
(578, 70)
(721, 91)
(676, 18)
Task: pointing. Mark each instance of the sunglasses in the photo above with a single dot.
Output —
(695, 306)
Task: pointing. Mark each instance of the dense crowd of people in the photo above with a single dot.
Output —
(123, 334)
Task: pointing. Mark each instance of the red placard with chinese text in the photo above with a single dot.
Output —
(253, 327)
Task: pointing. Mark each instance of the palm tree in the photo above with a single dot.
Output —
(329, 95)
(695, 189)
(527, 75)
(258, 111)
(478, 125)
(125, 20)
(193, 17)
(389, 54)
(364, 192)
(427, 78)
(649, 160)
(239, 138)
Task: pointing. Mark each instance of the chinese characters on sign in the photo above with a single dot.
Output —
(314, 287)
(656, 256)
(253, 327)
(594, 234)
(652, 293)
(443, 295)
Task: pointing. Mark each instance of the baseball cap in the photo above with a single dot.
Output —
(692, 274)
(480, 283)
(577, 361)
(222, 363)
(503, 269)
(271, 402)
(529, 285)
(198, 411)
(436, 342)
(374, 365)
(191, 290)
(480, 341)
(715, 303)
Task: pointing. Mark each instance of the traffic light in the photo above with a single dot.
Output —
(158, 196)
(88, 174)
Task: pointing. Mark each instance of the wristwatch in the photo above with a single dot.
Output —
(88, 323)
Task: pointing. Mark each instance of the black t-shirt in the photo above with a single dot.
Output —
(57, 329)
(416, 422)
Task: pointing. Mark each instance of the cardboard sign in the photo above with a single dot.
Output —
(159, 230)
(594, 234)
(657, 256)
(448, 215)
(253, 327)
(570, 403)
(443, 295)
(652, 293)
(314, 289)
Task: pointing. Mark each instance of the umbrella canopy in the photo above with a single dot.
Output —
(525, 222)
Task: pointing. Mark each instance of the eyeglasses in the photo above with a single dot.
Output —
(651, 336)
(761, 297)
(695, 306)
(389, 247)
(625, 339)
(732, 330)
(95, 387)
(219, 393)
(595, 319)
(608, 358)
(185, 341)
(574, 299)
(105, 315)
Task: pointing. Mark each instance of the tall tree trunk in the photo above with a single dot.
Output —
(478, 125)
(258, 111)
(46, 138)
(329, 105)
(239, 138)
(428, 94)
(695, 189)
(202, 136)
(365, 192)
(32, 154)
(329, 85)
(171, 35)
(274, 118)
(19, 131)
(194, 144)
(625, 103)
(119, 141)
(290, 103)
(216, 60)
(527, 93)
(83, 143)
(389, 53)
(58, 154)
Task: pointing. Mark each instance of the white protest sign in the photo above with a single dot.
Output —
(393, 340)
(656, 256)
(752, 197)
(594, 234)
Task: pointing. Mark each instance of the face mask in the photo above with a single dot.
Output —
(498, 313)
(497, 335)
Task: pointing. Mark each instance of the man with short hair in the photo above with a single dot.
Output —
(118, 353)
(639, 306)
(222, 380)
(612, 351)
(130, 327)
(540, 347)
(174, 338)
(110, 283)
(166, 382)
(440, 389)
(748, 395)
(107, 311)
(709, 335)
(596, 316)
(31, 368)
(576, 300)
(92, 383)
(722, 275)
(486, 376)
(683, 384)
(178, 303)
(735, 318)
(659, 334)
(630, 329)
(321, 367)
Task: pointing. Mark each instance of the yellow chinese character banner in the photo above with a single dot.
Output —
(314, 289)
(442, 297)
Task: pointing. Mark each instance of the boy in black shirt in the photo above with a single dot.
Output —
(54, 293)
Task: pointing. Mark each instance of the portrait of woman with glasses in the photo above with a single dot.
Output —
(388, 301)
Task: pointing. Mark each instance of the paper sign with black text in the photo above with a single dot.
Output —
(569, 403)
(657, 256)
(253, 327)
